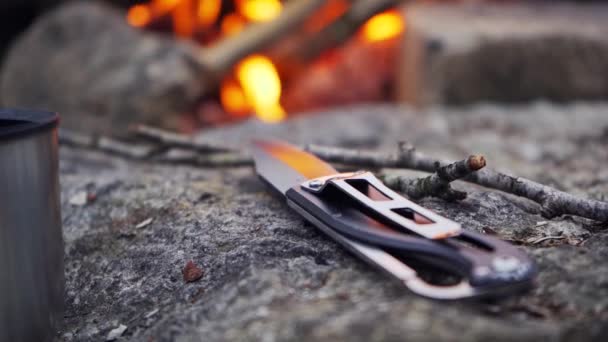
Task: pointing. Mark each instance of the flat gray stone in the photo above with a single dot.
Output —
(462, 53)
(267, 275)
(83, 60)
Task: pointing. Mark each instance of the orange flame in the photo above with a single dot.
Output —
(143, 14)
(383, 26)
(255, 86)
(262, 87)
(232, 23)
(259, 10)
(184, 22)
(208, 11)
(233, 98)
(187, 15)
(160, 7)
(139, 16)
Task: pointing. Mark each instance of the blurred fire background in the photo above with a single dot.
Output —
(262, 86)
(287, 78)
(258, 85)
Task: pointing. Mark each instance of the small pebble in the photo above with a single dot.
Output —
(192, 272)
(79, 199)
(489, 231)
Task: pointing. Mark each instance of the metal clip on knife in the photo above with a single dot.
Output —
(389, 231)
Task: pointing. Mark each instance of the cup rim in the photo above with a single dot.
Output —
(15, 123)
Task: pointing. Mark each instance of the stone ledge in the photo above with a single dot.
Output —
(468, 53)
(269, 276)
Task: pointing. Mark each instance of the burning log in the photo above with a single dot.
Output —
(507, 53)
(85, 61)
(337, 32)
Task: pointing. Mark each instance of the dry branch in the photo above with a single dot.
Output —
(227, 159)
(135, 151)
(437, 184)
(553, 202)
(170, 139)
(106, 144)
(543, 239)
(212, 158)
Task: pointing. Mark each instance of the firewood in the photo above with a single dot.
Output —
(344, 27)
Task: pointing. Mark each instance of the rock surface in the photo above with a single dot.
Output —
(83, 60)
(269, 276)
(469, 52)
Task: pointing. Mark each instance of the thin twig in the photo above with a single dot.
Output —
(76, 139)
(553, 202)
(405, 157)
(229, 159)
(437, 184)
(131, 150)
(153, 152)
(536, 242)
(106, 144)
(170, 139)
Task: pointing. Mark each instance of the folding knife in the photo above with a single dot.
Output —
(391, 232)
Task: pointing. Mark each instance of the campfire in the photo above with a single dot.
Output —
(263, 84)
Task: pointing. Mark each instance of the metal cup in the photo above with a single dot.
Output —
(31, 243)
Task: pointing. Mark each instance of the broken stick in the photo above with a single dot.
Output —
(160, 152)
(107, 144)
(437, 184)
(169, 139)
(553, 202)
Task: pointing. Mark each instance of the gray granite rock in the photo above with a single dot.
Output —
(462, 53)
(269, 276)
(82, 59)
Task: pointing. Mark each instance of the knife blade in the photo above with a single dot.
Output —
(389, 231)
